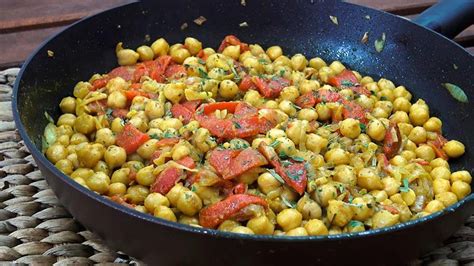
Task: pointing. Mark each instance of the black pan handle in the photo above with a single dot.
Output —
(448, 17)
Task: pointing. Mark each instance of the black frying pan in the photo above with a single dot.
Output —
(413, 56)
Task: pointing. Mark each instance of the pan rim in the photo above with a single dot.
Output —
(39, 156)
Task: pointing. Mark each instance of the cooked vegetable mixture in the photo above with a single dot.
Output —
(251, 141)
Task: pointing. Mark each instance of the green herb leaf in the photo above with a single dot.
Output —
(347, 83)
(297, 158)
(334, 20)
(282, 155)
(203, 74)
(288, 202)
(168, 134)
(285, 163)
(282, 72)
(154, 136)
(363, 127)
(383, 98)
(456, 92)
(200, 111)
(341, 189)
(405, 187)
(275, 143)
(202, 62)
(380, 43)
(276, 176)
(237, 77)
(236, 125)
(296, 106)
(263, 61)
(294, 176)
(48, 117)
(193, 188)
(354, 223)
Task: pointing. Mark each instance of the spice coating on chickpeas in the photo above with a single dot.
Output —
(252, 141)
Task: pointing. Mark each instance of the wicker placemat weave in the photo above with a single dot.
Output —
(36, 229)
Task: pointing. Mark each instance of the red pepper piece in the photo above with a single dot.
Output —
(179, 110)
(327, 96)
(354, 110)
(246, 160)
(218, 212)
(392, 141)
(271, 88)
(221, 159)
(345, 78)
(240, 188)
(232, 40)
(167, 142)
(175, 71)
(131, 138)
(306, 100)
(121, 113)
(243, 110)
(294, 174)
(247, 84)
(361, 90)
(166, 180)
(187, 162)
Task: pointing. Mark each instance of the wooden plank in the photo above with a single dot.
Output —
(28, 14)
(18, 45)
(399, 7)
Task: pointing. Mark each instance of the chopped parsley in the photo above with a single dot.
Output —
(405, 187)
(276, 176)
(363, 127)
(263, 61)
(275, 143)
(168, 134)
(154, 136)
(383, 98)
(236, 125)
(288, 202)
(347, 83)
(297, 158)
(109, 112)
(203, 74)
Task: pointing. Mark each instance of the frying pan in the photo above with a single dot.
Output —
(414, 56)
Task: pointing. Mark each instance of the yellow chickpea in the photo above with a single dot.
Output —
(286, 146)
(232, 51)
(433, 124)
(325, 193)
(289, 219)
(434, 206)
(164, 212)
(461, 189)
(193, 45)
(367, 178)
(56, 152)
(65, 166)
(84, 124)
(137, 194)
(242, 230)
(261, 225)
(463, 175)
(337, 67)
(362, 209)
(309, 208)
(127, 57)
(175, 192)
(289, 93)
(228, 225)
(189, 203)
(391, 185)
(316, 227)
(145, 53)
(350, 128)
(228, 89)
(376, 130)
(441, 185)
(68, 105)
(298, 231)
(417, 135)
(179, 55)
(425, 152)
(98, 182)
(266, 183)
(408, 197)
(384, 218)
(401, 104)
(339, 213)
(418, 115)
(307, 114)
(337, 156)
(345, 174)
(441, 172)
(447, 198)
(439, 162)
(254, 98)
(145, 176)
(115, 156)
(274, 52)
(180, 152)
(454, 148)
(317, 63)
(160, 47)
(121, 176)
(287, 107)
(298, 62)
(117, 189)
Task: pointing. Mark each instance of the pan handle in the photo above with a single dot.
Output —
(448, 17)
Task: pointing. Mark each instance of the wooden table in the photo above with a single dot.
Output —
(26, 24)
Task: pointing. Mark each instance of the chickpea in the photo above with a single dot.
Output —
(307, 86)
(425, 152)
(418, 115)
(287, 107)
(454, 148)
(434, 206)
(316, 143)
(398, 160)
(441, 185)
(289, 93)
(367, 178)
(160, 47)
(121, 176)
(66, 120)
(145, 53)
(379, 195)
(98, 182)
(145, 176)
(165, 213)
(408, 197)
(337, 156)
(105, 136)
(228, 225)
(137, 194)
(117, 189)
(180, 152)
(65, 166)
(362, 209)
(350, 128)
(441, 172)
(117, 125)
(84, 124)
(242, 230)
(175, 192)
(401, 91)
(153, 200)
(325, 193)
(256, 142)
(433, 124)
(345, 174)
(417, 135)
(339, 213)
(102, 166)
(68, 105)
(391, 185)
(266, 183)
(285, 146)
(228, 89)
(316, 227)
(276, 133)
(179, 55)
(254, 98)
(298, 231)
(317, 63)
(463, 175)
(307, 114)
(447, 198)
(324, 113)
(189, 203)
(193, 45)
(56, 152)
(115, 156)
(127, 57)
(261, 225)
(289, 219)
(183, 219)
(440, 162)
(384, 218)
(401, 104)
(253, 65)
(461, 189)
(81, 89)
(274, 52)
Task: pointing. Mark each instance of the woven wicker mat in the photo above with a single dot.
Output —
(36, 229)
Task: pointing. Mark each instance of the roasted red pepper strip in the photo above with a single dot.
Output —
(354, 110)
(175, 71)
(167, 142)
(232, 40)
(360, 90)
(187, 162)
(392, 141)
(247, 84)
(180, 111)
(271, 88)
(306, 100)
(166, 180)
(221, 159)
(391, 209)
(131, 138)
(218, 212)
(121, 113)
(246, 160)
(212, 107)
(294, 174)
(345, 78)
